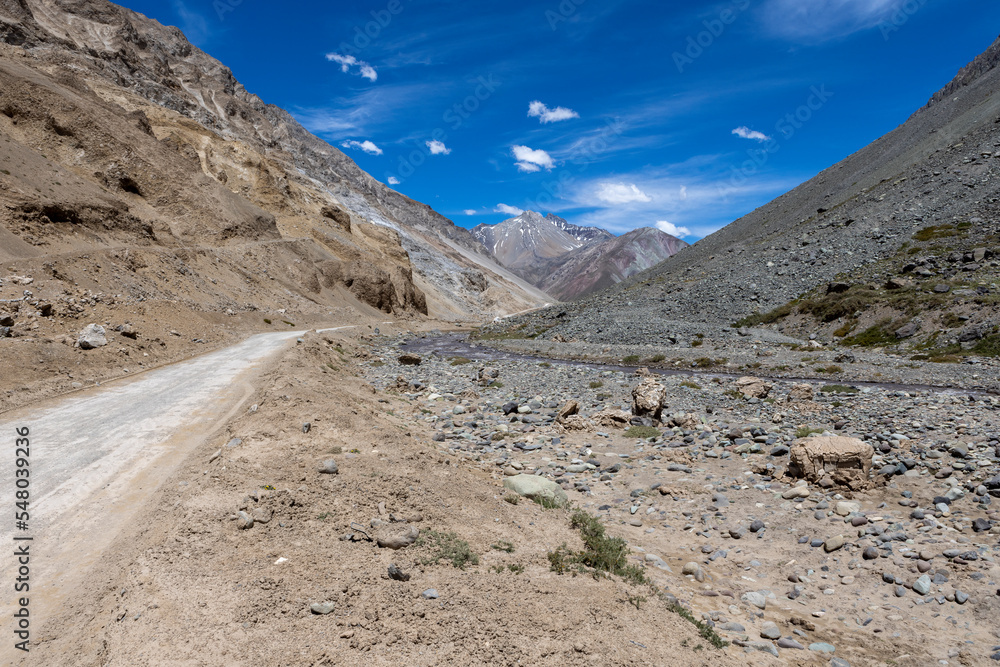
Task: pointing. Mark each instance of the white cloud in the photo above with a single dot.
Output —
(819, 20)
(393, 180)
(684, 192)
(546, 115)
(509, 210)
(348, 63)
(366, 146)
(469, 211)
(672, 229)
(619, 193)
(745, 132)
(531, 160)
(437, 147)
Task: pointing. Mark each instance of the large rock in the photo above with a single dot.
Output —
(533, 486)
(611, 418)
(410, 359)
(847, 461)
(93, 335)
(397, 536)
(800, 392)
(647, 398)
(752, 387)
(571, 408)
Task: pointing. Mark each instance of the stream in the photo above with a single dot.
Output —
(459, 345)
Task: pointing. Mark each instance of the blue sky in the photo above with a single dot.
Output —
(615, 113)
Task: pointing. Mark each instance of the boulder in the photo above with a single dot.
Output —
(534, 486)
(571, 408)
(409, 359)
(611, 418)
(847, 461)
(397, 536)
(576, 423)
(128, 331)
(800, 392)
(93, 335)
(6, 320)
(647, 398)
(752, 387)
(688, 421)
(909, 329)
(488, 374)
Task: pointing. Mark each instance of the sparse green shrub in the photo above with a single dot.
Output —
(631, 359)
(656, 358)
(690, 385)
(512, 498)
(447, 546)
(706, 632)
(602, 554)
(267, 321)
(495, 385)
(845, 329)
(697, 342)
(935, 232)
(838, 389)
(831, 370)
(460, 361)
(805, 431)
(597, 384)
(988, 347)
(642, 432)
(547, 503)
(878, 335)
(503, 545)
(951, 321)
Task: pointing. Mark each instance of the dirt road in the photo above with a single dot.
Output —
(96, 456)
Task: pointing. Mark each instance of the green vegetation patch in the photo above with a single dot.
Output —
(601, 554)
(838, 389)
(642, 432)
(447, 546)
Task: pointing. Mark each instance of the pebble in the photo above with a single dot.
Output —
(822, 647)
(430, 594)
(322, 608)
(770, 631)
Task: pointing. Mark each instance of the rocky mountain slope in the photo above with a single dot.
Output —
(601, 265)
(138, 114)
(567, 260)
(906, 228)
(524, 242)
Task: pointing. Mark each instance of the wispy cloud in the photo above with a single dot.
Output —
(544, 114)
(746, 133)
(470, 211)
(820, 20)
(437, 147)
(351, 64)
(366, 146)
(696, 195)
(509, 210)
(531, 160)
(672, 229)
(620, 193)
